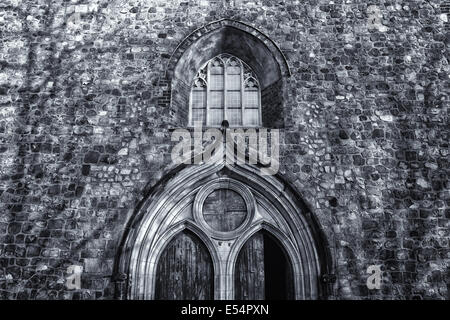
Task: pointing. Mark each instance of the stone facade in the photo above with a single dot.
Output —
(86, 116)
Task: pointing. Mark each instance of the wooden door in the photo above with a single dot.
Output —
(263, 270)
(185, 270)
(249, 272)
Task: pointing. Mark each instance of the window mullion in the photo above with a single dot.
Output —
(208, 81)
(225, 67)
(191, 98)
(259, 106)
(242, 94)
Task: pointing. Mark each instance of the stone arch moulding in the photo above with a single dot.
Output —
(245, 42)
(194, 36)
(168, 209)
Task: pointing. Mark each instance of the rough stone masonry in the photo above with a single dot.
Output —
(86, 117)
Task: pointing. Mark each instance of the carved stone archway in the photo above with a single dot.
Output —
(176, 206)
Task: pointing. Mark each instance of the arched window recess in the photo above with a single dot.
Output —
(225, 88)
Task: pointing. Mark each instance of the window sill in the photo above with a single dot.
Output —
(204, 128)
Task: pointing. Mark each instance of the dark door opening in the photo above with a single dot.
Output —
(263, 270)
(277, 272)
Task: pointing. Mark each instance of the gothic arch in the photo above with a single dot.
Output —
(164, 241)
(198, 33)
(245, 42)
(286, 244)
(165, 212)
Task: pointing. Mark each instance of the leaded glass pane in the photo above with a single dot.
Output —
(234, 117)
(233, 99)
(210, 92)
(216, 99)
(251, 99)
(216, 82)
(234, 70)
(216, 70)
(233, 82)
(198, 99)
(215, 117)
(198, 115)
(251, 117)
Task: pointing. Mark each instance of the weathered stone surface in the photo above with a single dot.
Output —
(86, 113)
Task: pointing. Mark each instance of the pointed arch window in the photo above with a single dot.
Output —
(225, 88)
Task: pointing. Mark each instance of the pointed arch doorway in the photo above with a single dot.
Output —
(263, 270)
(213, 231)
(184, 270)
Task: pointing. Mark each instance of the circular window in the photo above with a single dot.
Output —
(224, 210)
(224, 207)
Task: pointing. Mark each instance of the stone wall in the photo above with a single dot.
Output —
(85, 120)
